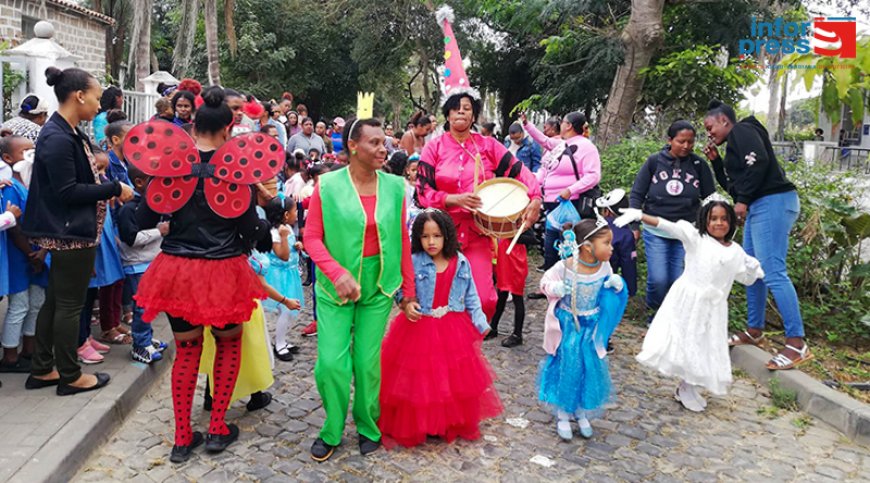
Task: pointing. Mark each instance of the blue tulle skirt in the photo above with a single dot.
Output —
(575, 378)
(107, 265)
(284, 277)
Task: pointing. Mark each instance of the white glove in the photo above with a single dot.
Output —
(615, 282)
(629, 215)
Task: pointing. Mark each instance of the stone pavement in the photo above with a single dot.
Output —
(645, 434)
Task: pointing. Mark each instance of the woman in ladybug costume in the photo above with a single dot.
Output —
(202, 277)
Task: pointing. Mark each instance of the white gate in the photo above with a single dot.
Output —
(139, 106)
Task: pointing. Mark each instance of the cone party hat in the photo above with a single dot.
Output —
(455, 79)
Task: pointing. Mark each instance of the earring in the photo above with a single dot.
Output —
(353, 152)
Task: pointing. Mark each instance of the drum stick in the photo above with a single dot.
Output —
(516, 237)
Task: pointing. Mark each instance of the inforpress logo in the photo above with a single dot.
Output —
(829, 36)
(835, 36)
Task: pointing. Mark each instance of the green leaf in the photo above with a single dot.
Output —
(857, 227)
(843, 82)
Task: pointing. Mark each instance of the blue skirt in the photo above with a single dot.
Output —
(284, 277)
(575, 378)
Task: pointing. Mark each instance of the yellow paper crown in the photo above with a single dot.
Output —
(365, 102)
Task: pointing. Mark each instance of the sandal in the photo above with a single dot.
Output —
(745, 338)
(782, 362)
(115, 336)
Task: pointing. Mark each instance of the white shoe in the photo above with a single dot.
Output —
(696, 391)
(563, 428)
(686, 397)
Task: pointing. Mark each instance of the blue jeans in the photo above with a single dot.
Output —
(140, 330)
(765, 237)
(664, 261)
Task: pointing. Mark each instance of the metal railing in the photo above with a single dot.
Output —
(139, 106)
(845, 158)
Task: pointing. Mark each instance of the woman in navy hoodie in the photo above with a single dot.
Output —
(671, 185)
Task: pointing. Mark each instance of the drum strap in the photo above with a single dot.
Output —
(505, 168)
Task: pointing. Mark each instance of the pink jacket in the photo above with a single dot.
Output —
(448, 168)
(557, 173)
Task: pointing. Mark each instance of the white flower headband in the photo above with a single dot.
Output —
(715, 197)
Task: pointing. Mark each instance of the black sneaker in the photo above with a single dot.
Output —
(320, 451)
(492, 335)
(536, 296)
(180, 454)
(215, 443)
(512, 340)
(367, 446)
(259, 400)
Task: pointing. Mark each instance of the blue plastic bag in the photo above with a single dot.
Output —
(564, 213)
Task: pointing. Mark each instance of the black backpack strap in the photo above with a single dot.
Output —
(569, 151)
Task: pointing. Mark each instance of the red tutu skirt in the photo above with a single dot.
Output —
(435, 381)
(201, 291)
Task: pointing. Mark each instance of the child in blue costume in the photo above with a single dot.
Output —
(586, 303)
(283, 274)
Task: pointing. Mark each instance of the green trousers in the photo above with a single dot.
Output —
(57, 325)
(349, 345)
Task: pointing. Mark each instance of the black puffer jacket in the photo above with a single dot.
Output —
(195, 231)
(62, 202)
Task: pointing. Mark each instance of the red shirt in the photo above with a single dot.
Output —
(316, 249)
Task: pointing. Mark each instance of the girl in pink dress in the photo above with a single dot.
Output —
(435, 381)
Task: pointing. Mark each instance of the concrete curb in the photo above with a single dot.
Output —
(847, 415)
(65, 452)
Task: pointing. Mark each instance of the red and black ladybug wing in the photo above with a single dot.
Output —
(228, 200)
(168, 195)
(248, 159)
(160, 148)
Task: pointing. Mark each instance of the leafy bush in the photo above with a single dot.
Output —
(824, 258)
(621, 162)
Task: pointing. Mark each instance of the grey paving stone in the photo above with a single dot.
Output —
(643, 436)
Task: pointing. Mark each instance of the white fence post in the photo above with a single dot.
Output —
(139, 106)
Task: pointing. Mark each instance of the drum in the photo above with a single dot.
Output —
(504, 201)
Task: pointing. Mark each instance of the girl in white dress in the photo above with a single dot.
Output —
(688, 336)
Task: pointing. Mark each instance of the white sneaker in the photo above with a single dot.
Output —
(686, 397)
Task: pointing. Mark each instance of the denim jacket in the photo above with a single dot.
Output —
(463, 294)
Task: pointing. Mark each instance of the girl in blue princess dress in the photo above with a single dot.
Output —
(283, 273)
(586, 303)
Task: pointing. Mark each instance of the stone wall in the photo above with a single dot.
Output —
(77, 32)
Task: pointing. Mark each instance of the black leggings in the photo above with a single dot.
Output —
(180, 325)
(519, 312)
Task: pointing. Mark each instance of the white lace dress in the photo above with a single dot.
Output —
(688, 337)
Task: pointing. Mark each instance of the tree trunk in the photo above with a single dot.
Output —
(211, 42)
(186, 35)
(140, 53)
(230, 27)
(783, 100)
(641, 38)
(773, 100)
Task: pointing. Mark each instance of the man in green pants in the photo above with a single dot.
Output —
(356, 235)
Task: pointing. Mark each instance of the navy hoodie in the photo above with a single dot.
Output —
(750, 169)
(672, 188)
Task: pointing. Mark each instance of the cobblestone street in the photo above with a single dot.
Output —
(644, 435)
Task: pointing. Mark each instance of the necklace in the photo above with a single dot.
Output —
(587, 264)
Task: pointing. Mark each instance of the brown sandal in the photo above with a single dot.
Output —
(782, 362)
(115, 336)
(745, 338)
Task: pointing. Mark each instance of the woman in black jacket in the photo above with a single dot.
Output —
(65, 213)
(767, 203)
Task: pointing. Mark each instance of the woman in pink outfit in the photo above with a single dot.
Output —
(570, 171)
(445, 180)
